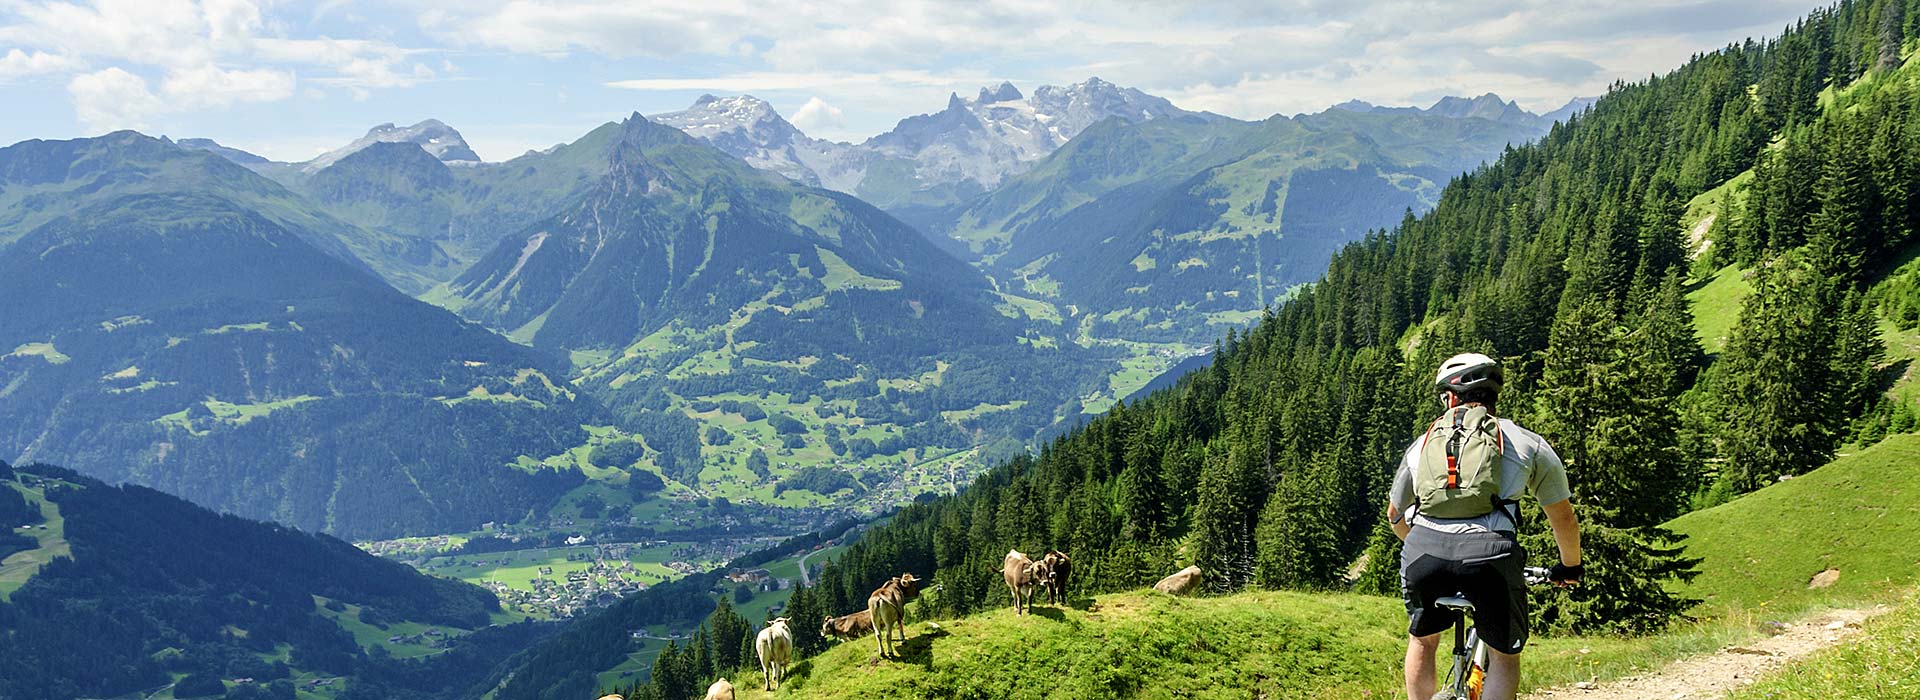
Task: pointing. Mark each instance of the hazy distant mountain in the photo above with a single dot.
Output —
(177, 321)
(1488, 106)
(438, 139)
(233, 154)
(926, 160)
(1175, 229)
(675, 231)
(748, 127)
(1572, 107)
(680, 277)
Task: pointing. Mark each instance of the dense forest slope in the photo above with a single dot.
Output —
(167, 331)
(127, 589)
(1566, 258)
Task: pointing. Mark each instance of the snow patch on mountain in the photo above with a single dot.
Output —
(438, 139)
(970, 146)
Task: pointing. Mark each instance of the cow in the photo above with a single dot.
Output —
(887, 610)
(853, 626)
(720, 690)
(1017, 569)
(1053, 571)
(1182, 582)
(775, 646)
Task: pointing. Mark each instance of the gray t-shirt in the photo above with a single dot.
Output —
(1527, 463)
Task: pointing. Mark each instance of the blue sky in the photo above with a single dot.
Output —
(292, 79)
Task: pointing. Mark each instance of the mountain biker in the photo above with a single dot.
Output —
(1473, 466)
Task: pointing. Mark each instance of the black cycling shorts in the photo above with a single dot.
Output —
(1487, 568)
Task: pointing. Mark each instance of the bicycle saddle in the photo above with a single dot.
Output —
(1454, 602)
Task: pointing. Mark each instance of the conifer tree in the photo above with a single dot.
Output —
(1771, 387)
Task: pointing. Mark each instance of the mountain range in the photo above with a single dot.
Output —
(181, 322)
(678, 287)
(926, 160)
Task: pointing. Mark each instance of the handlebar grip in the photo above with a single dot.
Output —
(1536, 575)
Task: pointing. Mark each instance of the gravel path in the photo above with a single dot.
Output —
(1712, 675)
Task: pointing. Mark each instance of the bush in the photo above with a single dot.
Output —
(617, 454)
(641, 482)
(785, 424)
(199, 685)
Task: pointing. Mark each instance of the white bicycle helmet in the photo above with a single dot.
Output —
(1467, 371)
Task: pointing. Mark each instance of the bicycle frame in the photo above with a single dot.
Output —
(1469, 671)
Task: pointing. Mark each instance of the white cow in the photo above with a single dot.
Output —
(720, 690)
(775, 646)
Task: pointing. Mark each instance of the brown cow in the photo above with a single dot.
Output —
(853, 626)
(1053, 571)
(1182, 582)
(1017, 569)
(887, 608)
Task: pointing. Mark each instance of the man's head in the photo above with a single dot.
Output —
(1469, 377)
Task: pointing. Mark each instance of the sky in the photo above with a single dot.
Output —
(290, 80)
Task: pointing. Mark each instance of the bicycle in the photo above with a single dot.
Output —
(1469, 672)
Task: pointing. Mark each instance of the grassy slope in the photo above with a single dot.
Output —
(1128, 645)
(1716, 306)
(1761, 550)
(20, 566)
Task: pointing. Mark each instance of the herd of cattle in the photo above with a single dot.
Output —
(885, 616)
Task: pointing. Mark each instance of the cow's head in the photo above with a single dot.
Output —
(908, 584)
(826, 626)
(1041, 571)
(780, 622)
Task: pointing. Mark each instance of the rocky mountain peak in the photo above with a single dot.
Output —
(1004, 92)
(438, 139)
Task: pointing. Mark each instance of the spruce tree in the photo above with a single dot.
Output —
(1771, 388)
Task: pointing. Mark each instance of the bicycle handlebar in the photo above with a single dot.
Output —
(1536, 575)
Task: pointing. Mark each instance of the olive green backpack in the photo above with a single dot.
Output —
(1458, 475)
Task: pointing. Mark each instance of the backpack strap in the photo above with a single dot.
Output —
(1509, 507)
(1453, 448)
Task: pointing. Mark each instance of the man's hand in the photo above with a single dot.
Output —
(1563, 576)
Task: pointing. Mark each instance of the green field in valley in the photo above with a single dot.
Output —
(16, 568)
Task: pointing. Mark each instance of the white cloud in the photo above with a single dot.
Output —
(775, 81)
(210, 54)
(668, 28)
(113, 99)
(208, 86)
(816, 115)
(19, 63)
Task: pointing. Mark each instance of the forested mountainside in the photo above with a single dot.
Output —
(689, 286)
(1566, 258)
(123, 590)
(1179, 228)
(1571, 260)
(177, 326)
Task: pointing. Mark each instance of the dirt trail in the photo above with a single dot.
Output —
(1712, 675)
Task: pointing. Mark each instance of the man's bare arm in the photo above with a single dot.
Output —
(1400, 526)
(1566, 531)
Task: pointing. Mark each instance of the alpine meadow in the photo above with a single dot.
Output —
(752, 377)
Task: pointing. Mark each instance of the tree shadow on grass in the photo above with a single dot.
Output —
(918, 649)
(1049, 612)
